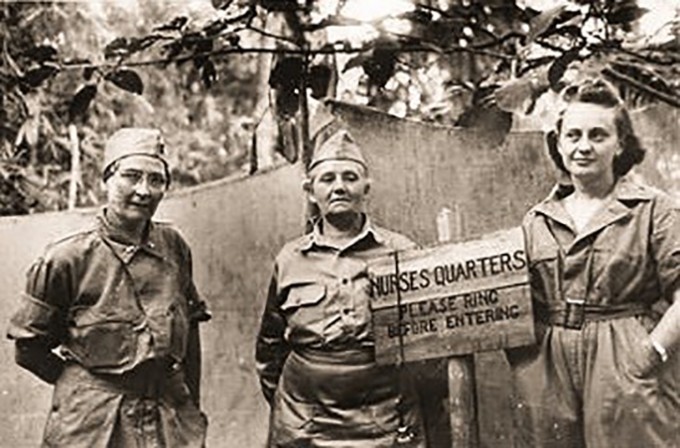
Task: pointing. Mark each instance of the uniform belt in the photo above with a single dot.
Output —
(347, 378)
(147, 380)
(574, 314)
(344, 356)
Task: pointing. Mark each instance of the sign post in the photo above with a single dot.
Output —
(452, 301)
(463, 416)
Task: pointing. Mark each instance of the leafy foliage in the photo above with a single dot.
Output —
(461, 62)
(54, 75)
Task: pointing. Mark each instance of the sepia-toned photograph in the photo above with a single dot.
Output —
(340, 223)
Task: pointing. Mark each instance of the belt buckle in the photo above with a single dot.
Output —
(575, 314)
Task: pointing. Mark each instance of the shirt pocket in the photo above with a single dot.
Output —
(303, 295)
(616, 272)
(169, 328)
(105, 344)
(304, 308)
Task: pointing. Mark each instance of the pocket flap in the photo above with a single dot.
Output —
(544, 253)
(303, 295)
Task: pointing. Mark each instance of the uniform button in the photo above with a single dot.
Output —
(346, 311)
(345, 281)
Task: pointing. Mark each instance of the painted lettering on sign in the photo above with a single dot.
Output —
(446, 274)
(452, 299)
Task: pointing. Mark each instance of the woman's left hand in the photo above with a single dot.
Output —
(643, 362)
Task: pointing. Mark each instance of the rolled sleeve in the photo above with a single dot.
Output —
(665, 240)
(38, 325)
(40, 315)
(34, 319)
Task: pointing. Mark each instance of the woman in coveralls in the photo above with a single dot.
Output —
(604, 257)
(119, 303)
(315, 348)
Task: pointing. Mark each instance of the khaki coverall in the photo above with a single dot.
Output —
(121, 315)
(315, 349)
(583, 384)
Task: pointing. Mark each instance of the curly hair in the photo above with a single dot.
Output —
(598, 91)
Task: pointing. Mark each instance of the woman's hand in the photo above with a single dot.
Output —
(643, 362)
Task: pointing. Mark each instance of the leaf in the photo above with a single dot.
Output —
(287, 102)
(513, 94)
(175, 24)
(221, 4)
(208, 74)
(126, 79)
(234, 40)
(81, 101)
(88, 72)
(42, 53)
(215, 27)
(137, 44)
(418, 16)
(380, 67)
(559, 67)
(173, 49)
(542, 22)
(356, 61)
(117, 47)
(286, 74)
(279, 5)
(319, 80)
(625, 14)
(37, 76)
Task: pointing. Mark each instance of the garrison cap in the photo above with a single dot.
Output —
(134, 141)
(339, 146)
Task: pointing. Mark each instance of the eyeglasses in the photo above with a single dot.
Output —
(154, 181)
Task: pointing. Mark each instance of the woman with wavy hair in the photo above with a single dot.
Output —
(604, 254)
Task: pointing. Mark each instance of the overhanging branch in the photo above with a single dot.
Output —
(284, 51)
(662, 96)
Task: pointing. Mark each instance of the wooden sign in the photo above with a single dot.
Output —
(452, 299)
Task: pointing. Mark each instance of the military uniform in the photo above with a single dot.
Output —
(594, 292)
(124, 317)
(315, 349)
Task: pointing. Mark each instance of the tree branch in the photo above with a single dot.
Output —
(271, 35)
(642, 57)
(283, 51)
(670, 99)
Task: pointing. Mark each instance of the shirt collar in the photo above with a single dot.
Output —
(316, 238)
(123, 243)
(625, 191)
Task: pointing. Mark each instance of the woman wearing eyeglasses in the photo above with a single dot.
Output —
(604, 257)
(118, 304)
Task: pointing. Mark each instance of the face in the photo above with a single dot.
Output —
(338, 187)
(588, 141)
(136, 188)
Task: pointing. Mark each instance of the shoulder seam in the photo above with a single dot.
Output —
(71, 236)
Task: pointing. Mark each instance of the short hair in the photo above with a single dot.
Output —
(600, 92)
